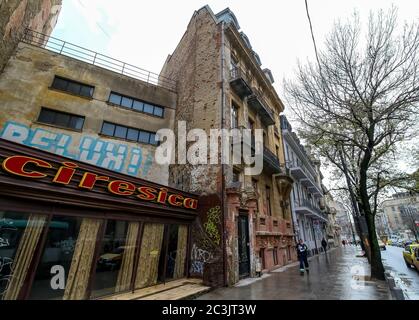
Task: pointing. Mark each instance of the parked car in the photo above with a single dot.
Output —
(111, 260)
(410, 255)
(416, 258)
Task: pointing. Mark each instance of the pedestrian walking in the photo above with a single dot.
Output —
(302, 252)
(324, 244)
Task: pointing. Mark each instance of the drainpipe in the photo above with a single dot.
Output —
(223, 202)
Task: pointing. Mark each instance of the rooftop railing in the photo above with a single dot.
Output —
(82, 54)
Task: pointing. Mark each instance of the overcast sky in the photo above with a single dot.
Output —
(143, 33)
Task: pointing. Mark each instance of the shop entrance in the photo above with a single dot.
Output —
(244, 246)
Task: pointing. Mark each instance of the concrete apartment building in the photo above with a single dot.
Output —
(221, 84)
(79, 185)
(402, 214)
(82, 110)
(308, 207)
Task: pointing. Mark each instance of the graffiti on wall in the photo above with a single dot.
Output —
(211, 226)
(109, 155)
(207, 240)
(199, 258)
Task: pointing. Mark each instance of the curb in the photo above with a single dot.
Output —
(396, 292)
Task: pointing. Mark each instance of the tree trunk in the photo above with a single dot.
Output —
(377, 268)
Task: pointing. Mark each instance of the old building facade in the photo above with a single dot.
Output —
(221, 85)
(402, 214)
(82, 111)
(308, 206)
(79, 185)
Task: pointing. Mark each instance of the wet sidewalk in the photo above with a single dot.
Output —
(337, 275)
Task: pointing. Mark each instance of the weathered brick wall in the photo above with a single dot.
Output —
(16, 15)
(195, 64)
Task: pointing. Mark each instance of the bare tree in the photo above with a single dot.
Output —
(357, 102)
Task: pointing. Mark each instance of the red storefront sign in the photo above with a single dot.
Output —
(33, 168)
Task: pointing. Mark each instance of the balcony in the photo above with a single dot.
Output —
(300, 173)
(240, 83)
(307, 208)
(256, 102)
(312, 187)
(271, 161)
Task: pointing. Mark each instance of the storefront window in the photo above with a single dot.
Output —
(20, 235)
(176, 252)
(114, 269)
(58, 251)
(64, 269)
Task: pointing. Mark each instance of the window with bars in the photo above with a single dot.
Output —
(135, 104)
(73, 87)
(129, 134)
(61, 119)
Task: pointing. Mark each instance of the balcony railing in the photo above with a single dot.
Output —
(259, 105)
(307, 204)
(271, 161)
(240, 82)
(82, 54)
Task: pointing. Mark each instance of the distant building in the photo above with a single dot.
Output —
(333, 229)
(345, 222)
(402, 213)
(310, 219)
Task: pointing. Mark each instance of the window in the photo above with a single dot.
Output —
(234, 116)
(61, 119)
(268, 200)
(130, 134)
(275, 255)
(262, 257)
(135, 104)
(255, 185)
(289, 253)
(74, 87)
(234, 62)
(59, 249)
(236, 176)
(115, 262)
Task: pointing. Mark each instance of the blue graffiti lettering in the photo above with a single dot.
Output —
(98, 152)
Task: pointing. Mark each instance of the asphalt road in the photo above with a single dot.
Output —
(407, 279)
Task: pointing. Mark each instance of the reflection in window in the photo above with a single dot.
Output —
(114, 269)
(19, 237)
(70, 245)
(176, 252)
(58, 251)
